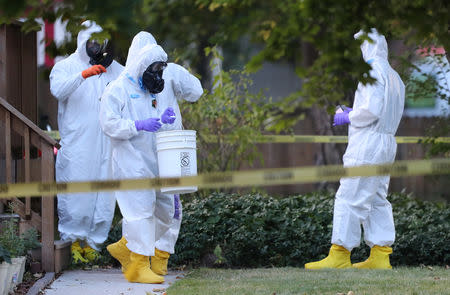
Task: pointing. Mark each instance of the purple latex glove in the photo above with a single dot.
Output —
(150, 124)
(168, 117)
(347, 109)
(341, 119)
(176, 199)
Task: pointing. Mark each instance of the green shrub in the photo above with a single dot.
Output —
(4, 255)
(113, 236)
(423, 232)
(30, 239)
(229, 120)
(10, 239)
(17, 245)
(257, 231)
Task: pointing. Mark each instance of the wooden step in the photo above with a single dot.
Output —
(33, 220)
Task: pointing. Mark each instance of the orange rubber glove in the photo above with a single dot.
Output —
(94, 70)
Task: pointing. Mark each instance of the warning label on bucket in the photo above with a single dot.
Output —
(185, 163)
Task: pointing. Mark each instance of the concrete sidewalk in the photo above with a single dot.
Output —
(105, 281)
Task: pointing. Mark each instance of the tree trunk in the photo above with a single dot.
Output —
(329, 153)
(203, 67)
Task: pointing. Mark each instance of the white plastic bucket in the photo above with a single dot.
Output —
(177, 157)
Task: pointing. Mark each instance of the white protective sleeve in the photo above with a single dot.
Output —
(63, 84)
(111, 120)
(185, 85)
(369, 102)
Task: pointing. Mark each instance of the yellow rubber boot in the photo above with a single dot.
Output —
(338, 257)
(77, 253)
(378, 259)
(119, 251)
(91, 254)
(159, 262)
(138, 271)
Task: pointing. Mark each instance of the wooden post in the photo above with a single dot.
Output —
(8, 158)
(26, 138)
(48, 248)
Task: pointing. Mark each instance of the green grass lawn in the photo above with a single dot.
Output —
(435, 280)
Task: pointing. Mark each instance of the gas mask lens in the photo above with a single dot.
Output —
(157, 66)
(94, 48)
(99, 53)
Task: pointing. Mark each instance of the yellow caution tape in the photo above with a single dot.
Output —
(419, 139)
(309, 138)
(263, 177)
(330, 139)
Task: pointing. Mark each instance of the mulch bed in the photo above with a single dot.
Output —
(28, 281)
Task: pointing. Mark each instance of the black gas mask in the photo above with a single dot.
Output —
(152, 77)
(100, 53)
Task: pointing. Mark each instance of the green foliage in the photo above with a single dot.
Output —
(30, 239)
(117, 18)
(423, 88)
(10, 239)
(281, 30)
(17, 245)
(256, 231)
(218, 253)
(423, 232)
(280, 27)
(114, 235)
(4, 255)
(427, 78)
(10, 9)
(228, 120)
(421, 91)
(441, 127)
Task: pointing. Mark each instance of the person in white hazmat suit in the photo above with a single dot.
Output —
(179, 85)
(84, 155)
(374, 120)
(131, 108)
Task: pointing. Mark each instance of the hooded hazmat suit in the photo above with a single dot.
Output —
(85, 150)
(374, 120)
(133, 152)
(179, 84)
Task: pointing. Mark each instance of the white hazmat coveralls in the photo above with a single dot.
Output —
(133, 155)
(85, 150)
(376, 114)
(179, 84)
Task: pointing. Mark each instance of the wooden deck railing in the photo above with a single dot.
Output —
(33, 138)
